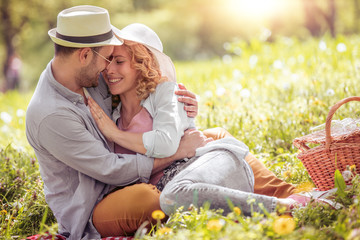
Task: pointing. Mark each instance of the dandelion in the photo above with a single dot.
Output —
(284, 224)
(164, 231)
(286, 86)
(253, 61)
(237, 210)
(214, 225)
(330, 92)
(5, 117)
(322, 45)
(278, 64)
(220, 91)
(158, 214)
(227, 59)
(208, 94)
(20, 113)
(245, 93)
(227, 46)
(3, 212)
(265, 34)
(237, 51)
(237, 74)
(347, 175)
(341, 47)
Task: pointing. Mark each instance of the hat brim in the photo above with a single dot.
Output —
(167, 67)
(114, 41)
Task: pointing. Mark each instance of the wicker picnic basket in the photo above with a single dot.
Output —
(340, 142)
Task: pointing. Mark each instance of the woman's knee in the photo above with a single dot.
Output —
(123, 211)
(216, 133)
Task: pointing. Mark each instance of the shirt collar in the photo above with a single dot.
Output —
(61, 89)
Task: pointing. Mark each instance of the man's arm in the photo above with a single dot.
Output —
(67, 139)
(191, 140)
(189, 99)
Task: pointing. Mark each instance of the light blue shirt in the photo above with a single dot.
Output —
(76, 162)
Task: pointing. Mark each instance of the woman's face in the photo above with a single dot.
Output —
(119, 75)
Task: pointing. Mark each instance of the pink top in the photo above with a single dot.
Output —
(141, 122)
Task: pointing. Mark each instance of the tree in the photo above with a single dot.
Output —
(314, 14)
(16, 18)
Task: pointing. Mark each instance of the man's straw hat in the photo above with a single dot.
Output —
(84, 26)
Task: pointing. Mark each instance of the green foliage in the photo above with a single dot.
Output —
(21, 194)
(265, 94)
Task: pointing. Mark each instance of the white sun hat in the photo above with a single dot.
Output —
(84, 26)
(140, 33)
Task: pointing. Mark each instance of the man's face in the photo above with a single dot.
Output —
(89, 75)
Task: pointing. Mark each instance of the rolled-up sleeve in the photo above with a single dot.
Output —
(169, 121)
(68, 140)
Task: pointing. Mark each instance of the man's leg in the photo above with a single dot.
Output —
(122, 212)
(266, 182)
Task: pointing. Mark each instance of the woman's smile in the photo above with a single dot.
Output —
(115, 80)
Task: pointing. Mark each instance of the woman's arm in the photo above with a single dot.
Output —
(166, 130)
(170, 120)
(129, 140)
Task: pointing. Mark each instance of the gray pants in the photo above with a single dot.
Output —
(215, 177)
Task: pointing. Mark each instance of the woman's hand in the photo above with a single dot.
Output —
(107, 127)
(189, 99)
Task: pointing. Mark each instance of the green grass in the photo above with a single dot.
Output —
(265, 94)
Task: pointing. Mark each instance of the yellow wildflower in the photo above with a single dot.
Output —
(287, 174)
(304, 187)
(214, 225)
(158, 214)
(237, 210)
(3, 212)
(284, 224)
(163, 231)
(353, 168)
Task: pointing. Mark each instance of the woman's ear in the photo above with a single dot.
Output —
(85, 55)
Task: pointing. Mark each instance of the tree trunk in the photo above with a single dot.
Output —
(312, 14)
(311, 20)
(356, 15)
(8, 33)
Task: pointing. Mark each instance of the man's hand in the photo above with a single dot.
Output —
(191, 140)
(189, 99)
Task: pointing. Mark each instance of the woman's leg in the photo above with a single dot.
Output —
(215, 177)
(122, 212)
(266, 182)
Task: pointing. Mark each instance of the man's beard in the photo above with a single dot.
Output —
(87, 77)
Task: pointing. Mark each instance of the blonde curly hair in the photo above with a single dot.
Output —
(143, 60)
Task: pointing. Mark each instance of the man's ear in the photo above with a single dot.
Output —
(85, 55)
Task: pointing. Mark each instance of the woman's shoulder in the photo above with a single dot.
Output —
(166, 85)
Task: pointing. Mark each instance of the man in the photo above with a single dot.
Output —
(76, 162)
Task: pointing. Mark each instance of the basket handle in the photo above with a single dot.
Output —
(330, 115)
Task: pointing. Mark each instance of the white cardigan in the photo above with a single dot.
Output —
(169, 121)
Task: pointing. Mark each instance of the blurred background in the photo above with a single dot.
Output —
(189, 29)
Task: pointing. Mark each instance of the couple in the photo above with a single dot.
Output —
(96, 189)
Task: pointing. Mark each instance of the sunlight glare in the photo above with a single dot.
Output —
(256, 8)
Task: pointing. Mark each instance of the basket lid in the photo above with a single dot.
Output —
(340, 131)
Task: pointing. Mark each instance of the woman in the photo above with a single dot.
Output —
(218, 172)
